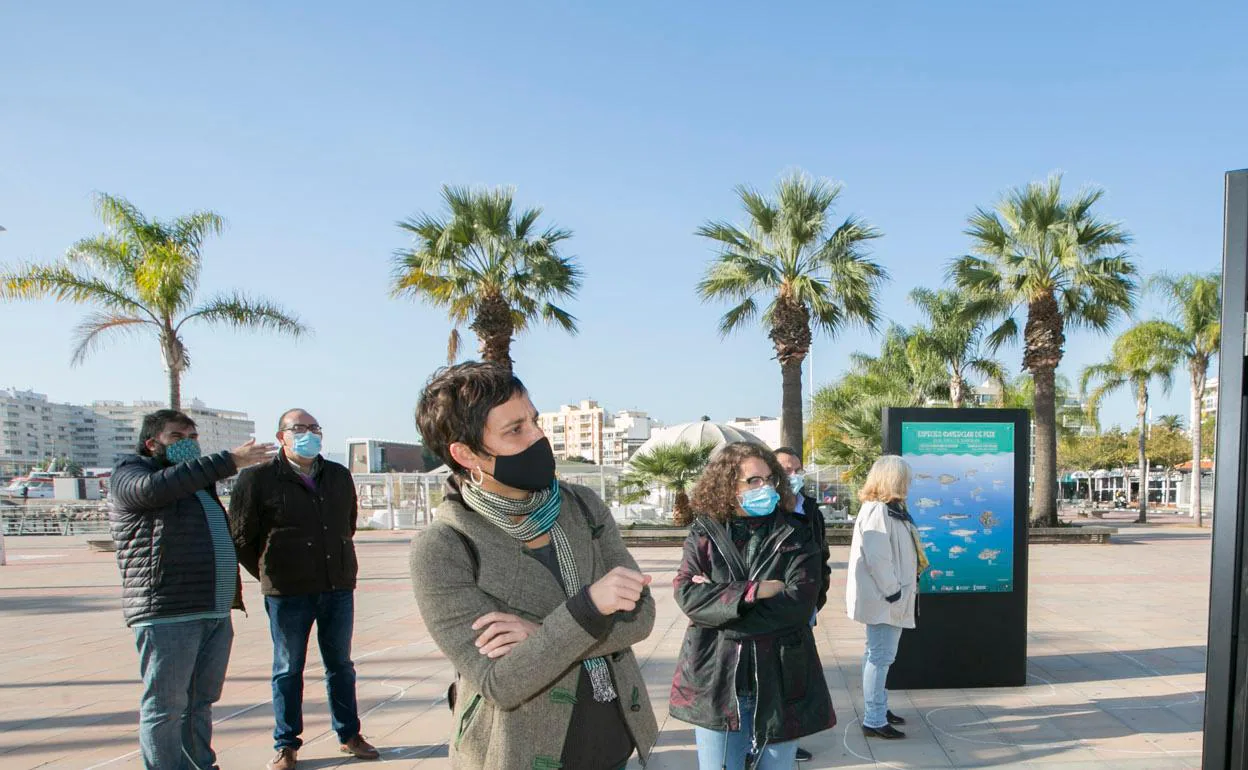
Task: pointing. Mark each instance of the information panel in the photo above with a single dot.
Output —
(969, 498)
(962, 500)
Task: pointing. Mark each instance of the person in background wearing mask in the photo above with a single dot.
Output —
(179, 582)
(749, 677)
(293, 521)
(526, 586)
(807, 509)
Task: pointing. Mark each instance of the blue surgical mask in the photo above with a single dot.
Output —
(761, 501)
(182, 451)
(307, 445)
(796, 482)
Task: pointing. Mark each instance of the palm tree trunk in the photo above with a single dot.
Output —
(1043, 338)
(791, 404)
(1141, 408)
(956, 396)
(1043, 493)
(494, 327)
(680, 510)
(1198, 392)
(175, 389)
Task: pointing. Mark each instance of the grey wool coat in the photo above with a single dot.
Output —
(513, 712)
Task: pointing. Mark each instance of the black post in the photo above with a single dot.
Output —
(1226, 676)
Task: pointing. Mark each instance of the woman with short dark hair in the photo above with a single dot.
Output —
(749, 676)
(526, 586)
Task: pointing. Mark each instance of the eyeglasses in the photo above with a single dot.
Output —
(754, 482)
(299, 429)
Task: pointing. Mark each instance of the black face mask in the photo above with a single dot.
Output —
(532, 470)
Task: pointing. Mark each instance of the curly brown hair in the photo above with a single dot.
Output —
(716, 492)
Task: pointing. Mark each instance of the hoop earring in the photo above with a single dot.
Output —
(474, 479)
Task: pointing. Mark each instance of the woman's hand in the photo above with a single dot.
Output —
(502, 632)
(770, 588)
(699, 579)
(618, 591)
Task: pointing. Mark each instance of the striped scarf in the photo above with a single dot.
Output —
(541, 515)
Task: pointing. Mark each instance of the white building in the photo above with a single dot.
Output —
(32, 429)
(625, 433)
(576, 431)
(765, 428)
(1209, 399)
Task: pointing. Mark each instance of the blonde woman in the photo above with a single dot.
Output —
(885, 560)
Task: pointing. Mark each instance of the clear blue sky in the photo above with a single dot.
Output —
(313, 127)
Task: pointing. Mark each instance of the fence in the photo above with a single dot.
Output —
(53, 518)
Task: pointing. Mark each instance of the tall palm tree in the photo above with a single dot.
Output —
(490, 266)
(1196, 303)
(142, 276)
(845, 422)
(674, 467)
(805, 271)
(956, 336)
(1140, 355)
(1055, 259)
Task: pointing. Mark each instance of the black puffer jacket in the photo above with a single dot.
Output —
(813, 518)
(296, 541)
(725, 615)
(164, 548)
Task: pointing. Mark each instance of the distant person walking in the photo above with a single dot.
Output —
(179, 581)
(885, 560)
(293, 521)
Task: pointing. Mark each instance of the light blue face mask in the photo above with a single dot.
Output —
(307, 445)
(761, 501)
(796, 482)
(182, 451)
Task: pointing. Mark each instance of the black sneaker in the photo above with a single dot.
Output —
(887, 732)
(893, 719)
(803, 755)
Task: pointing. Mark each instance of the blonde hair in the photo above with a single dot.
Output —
(888, 481)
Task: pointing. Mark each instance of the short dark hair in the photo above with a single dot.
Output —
(155, 423)
(455, 403)
(791, 452)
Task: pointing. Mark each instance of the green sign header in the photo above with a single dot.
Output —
(957, 438)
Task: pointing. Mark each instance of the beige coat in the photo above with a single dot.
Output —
(512, 713)
(882, 561)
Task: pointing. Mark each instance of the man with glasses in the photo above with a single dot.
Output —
(293, 521)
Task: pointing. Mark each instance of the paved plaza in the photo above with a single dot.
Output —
(1115, 673)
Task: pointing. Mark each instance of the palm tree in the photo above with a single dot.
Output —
(956, 336)
(675, 467)
(1140, 355)
(489, 266)
(1066, 268)
(1196, 302)
(806, 272)
(142, 275)
(845, 421)
(1172, 422)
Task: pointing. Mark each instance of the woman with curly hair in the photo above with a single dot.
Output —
(749, 677)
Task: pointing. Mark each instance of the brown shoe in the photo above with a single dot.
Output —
(285, 759)
(359, 748)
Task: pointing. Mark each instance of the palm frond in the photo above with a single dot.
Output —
(88, 334)
(243, 312)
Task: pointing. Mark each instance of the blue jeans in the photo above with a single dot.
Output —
(882, 641)
(183, 668)
(290, 623)
(718, 749)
